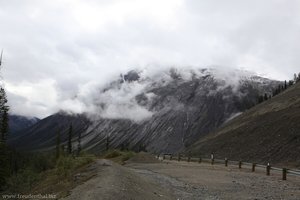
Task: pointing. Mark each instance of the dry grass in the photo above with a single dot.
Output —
(62, 179)
(58, 180)
(119, 156)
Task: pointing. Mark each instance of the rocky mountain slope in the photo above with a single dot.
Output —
(17, 122)
(161, 112)
(269, 132)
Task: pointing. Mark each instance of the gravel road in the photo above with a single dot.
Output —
(182, 180)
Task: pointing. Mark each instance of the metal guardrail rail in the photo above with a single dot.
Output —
(227, 162)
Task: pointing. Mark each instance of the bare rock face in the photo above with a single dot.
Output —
(131, 76)
(163, 113)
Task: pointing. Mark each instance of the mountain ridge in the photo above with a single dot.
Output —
(165, 112)
(19, 122)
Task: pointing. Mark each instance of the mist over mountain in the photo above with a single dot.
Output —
(17, 122)
(164, 110)
(131, 95)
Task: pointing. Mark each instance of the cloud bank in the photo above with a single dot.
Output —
(54, 50)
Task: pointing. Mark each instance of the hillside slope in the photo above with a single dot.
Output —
(17, 122)
(268, 132)
(43, 134)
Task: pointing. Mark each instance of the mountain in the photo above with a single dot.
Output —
(268, 132)
(44, 133)
(164, 111)
(18, 122)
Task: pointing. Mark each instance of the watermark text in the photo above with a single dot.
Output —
(29, 196)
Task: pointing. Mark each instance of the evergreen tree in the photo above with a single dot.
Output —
(3, 115)
(279, 88)
(4, 153)
(260, 98)
(4, 165)
(70, 139)
(107, 143)
(58, 147)
(285, 85)
(79, 144)
(265, 97)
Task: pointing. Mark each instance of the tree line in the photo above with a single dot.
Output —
(25, 167)
(60, 148)
(20, 170)
(4, 159)
(280, 88)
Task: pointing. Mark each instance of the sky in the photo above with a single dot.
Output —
(55, 49)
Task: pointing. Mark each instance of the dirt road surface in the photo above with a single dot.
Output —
(181, 180)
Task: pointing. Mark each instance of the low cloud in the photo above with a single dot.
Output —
(56, 48)
(116, 98)
(119, 102)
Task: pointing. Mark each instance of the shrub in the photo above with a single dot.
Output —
(64, 166)
(4, 165)
(113, 154)
(23, 181)
(127, 155)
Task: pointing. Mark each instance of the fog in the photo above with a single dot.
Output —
(117, 99)
(57, 54)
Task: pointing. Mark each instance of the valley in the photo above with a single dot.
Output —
(149, 100)
(196, 116)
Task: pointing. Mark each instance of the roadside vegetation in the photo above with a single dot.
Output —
(118, 156)
(44, 173)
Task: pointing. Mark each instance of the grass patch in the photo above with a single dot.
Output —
(112, 154)
(119, 156)
(61, 179)
(58, 179)
(66, 166)
(44, 174)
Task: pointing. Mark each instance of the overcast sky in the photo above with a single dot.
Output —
(53, 48)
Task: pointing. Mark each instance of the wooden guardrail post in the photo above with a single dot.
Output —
(268, 168)
(200, 160)
(189, 156)
(284, 172)
(253, 167)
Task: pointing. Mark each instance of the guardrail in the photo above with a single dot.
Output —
(227, 162)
